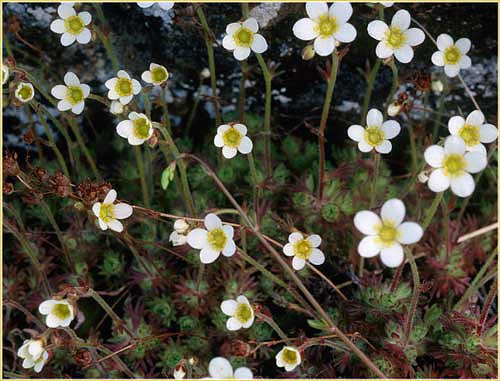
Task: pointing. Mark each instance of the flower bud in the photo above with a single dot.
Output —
(205, 73)
(116, 108)
(179, 371)
(308, 53)
(437, 86)
(422, 177)
(394, 109)
(177, 239)
(181, 226)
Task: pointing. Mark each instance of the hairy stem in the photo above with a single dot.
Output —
(394, 87)
(267, 115)
(432, 210)
(414, 298)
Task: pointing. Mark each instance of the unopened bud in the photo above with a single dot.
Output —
(205, 73)
(116, 108)
(177, 239)
(181, 226)
(437, 86)
(422, 177)
(179, 372)
(308, 53)
(394, 109)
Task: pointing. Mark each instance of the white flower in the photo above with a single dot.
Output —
(71, 25)
(241, 313)
(177, 239)
(232, 138)
(5, 74)
(220, 368)
(386, 233)
(386, 3)
(473, 131)
(24, 92)
(326, 26)
(137, 128)
(394, 108)
(376, 133)
(215, 239)
(108, 213)
(157, 74)
(181, 226)
(304, 249)
(165, 5)
(122, 87)
(116, 107)
(289, 358)
(453, 166)
(397, 39)
(33, 354)
(59, 313)
(242, 37)
(72, 96)
(452, 55)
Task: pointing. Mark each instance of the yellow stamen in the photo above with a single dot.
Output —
(74, 25)
(244, 37)
(61, 311)
(374, 136)
(326, 25)
(470, 134)
(142, 127)
(243, 312)
(124, 87)
(232, 137)
(74, 95)
(454, 165)
(302, 249)
(395, 37)
(387, 233)
(289, 356)
(452, 55)
(217, 239)
(159, 75)
(107, 212)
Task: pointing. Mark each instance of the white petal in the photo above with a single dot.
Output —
(229, 249)
(57, 26)
(455, 124)
(197, 238)
(67, 39)
(391, 129)
(251, 24)
(317, 257)
(465, 62)
(23, 349)
(228, 229)
(298, 263)
(392, 256)
(223, 128)
(347, 33)
(374, 118)
(434, 156)
(241, 53)
(229, 307)
(115, 225)
(288, 250)
(65, 10)
(324, 46)
(451, 70)
(134, 140)
(242, 299)
(96, 208)
(207, 255)
(111, 83)
(356, 132)
(368, 247)
(314, 240)
(294, 237)
(220, 368)
(59, 91)
(384, 147)
(52, 321)
(166, 5)
(366, 222)
(122, 211)
(232, 28)
(136, 86)
(438, 58)
(63, 105)
(475, 118)
(212, 222)
(415, 36)
(401, 19)
(409, 232)
(438, 181)
(85, 17)
(146, 76)
(228, 42)
(444, 41)
(219, 140)
(229, 152)
(478, 148)
(233, 324)
(86, 90)
(463, 186)
(454, 144)
(364, 146)
(246, 145)
(84, 37)
(45, 307)
(102, 224)
(393, 210)
(315, 10)
(241, 128)
(110, 197)
(383, 50)
(404, 54)
(488, 133)
(476, 162)
(71, 79)
(78, 108)
(122, 74)
(341, 11)
(259, 44)
(243, 373)
(377, 29)
(304, 29)
(463, 44)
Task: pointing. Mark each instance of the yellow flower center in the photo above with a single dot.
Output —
(26, 92)
(217, 239)
(107, 212)
(124, 87)
(74, 95)
(452, 55)
(142, 128)
(159, 75)
(395, 37)
(470, 134)
(289, 356)
(302, 249)
(326, 25)
(454, 165)
(387, 233)
(232, 138)
(243, 37)
(374, 136)
(243, 312)
(74, 25)
(61, 311)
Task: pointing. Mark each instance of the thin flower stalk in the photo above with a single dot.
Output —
(490, 298)
(414, 299)
(432, 210)
(273, 325)
(142, 176)
(267, 114)
(394, 86)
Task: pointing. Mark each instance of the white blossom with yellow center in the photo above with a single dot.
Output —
(288, 358)
(71, 26)
(108, 213)
(452, 55)
(136, 129)
(453, 166)
(122, 87)
(304, 249)
(473, 130)
(326, 27)
(220, 368)
(59, 313)
(33, 354)
(242, 38)
(5, 74)
(386, 234)
(72, 96)
(215, 239)
(376, 134)
(232, 138)
(397, 39)
(24, 92)
(240, 312)
(157, 74)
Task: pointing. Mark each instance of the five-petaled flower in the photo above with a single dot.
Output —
(397, 39)
(157, 74)
(376, 134)
(326, 26)
(473, 131)
(289, 358)
(220, 368)
(122, 87)
(59, 313)
(304, 249)
(33, 354)
(71, 26)
(213, 240)
(242, 38)
(453, 166)
(108, 213)
(232, 138)
(72, 96)
(386, 234)
(24, 92)
(241, 312)
(453, 56)
(136, 129)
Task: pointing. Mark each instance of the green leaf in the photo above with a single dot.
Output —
(167, 176)
(318, 324)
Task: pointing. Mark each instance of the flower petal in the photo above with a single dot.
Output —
(463, 44)
(391, 129)
(243, 373)
(102, 224)
(219, 140)
(454, 144)
(364, 146)
(366, 222)
(315, 10)
(59, 91)
(404, 54)
(384, 147)
(197, 238)
(122, 211)
(298, 263)
(346, 33)
(434, 156)
(324, 46)
(304, 29)
(451, 70)
(96, 208)
(67, 39)
(232, 28)
(314, 240)
(63, 105)
(294, 237)
(356, 132)
(437, 58)
(488, 133)
(57, 26)
(115, 225)
(65, 10)
(229, 249)
(84, 37)
(229, 307)
(478, 148)
(317, 257)
(110, 197)
(383, 50)
(401, 19)
(212, 222)
(220, 368)
(259, 44)
(465, 62)
(233, 324)
(374, 118)
(46, 307)
(52, 321)
(246, 145)
(444, 41)
(288, 250)
(241, 53)
(368, 247)
(341, 11)
(78, 108)
(409, 232)
(229, 152)
(438, 181)
(476, 162)
(463, 186)
(392, 256)
(415, 36)
(377, 29)
(475, 118)
(86, 17)
(228, 229)
(455, 124)
(241, 128)
(146, 76)
(251, 24)
(208, 255)
(394, 211)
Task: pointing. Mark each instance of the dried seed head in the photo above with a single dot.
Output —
(10, 165)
